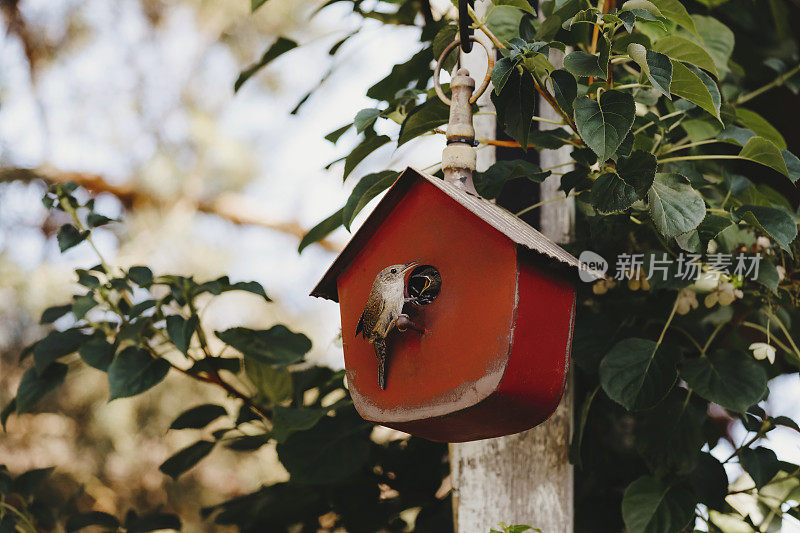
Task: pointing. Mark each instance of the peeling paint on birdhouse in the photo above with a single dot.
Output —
(494, 354)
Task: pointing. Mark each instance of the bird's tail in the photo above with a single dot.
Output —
(380, 353)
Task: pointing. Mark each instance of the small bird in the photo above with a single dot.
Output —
(384, 306)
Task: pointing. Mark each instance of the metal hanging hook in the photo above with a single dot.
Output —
(465, 32)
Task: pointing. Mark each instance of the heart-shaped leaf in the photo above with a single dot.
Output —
(603, 125)
(775, 222)
(675, 207)
(734, 380)
(134, 371)
(638, 171)
(650, 506)
(611, 194)
(638, 373)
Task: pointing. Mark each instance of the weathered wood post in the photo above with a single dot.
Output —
(524, 478)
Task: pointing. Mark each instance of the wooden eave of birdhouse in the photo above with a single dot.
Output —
(510, 226)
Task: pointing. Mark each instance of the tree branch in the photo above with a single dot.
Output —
(228, 206)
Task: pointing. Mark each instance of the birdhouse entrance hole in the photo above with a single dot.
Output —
(424, 284)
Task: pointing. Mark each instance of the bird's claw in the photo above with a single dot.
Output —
(404, 323)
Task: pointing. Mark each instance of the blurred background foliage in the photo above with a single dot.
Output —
(134, 100)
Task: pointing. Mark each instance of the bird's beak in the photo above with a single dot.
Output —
(409, 266)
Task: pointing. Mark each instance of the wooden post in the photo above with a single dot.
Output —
(524, 478)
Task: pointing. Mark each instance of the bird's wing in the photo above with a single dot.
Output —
(360, 325)
(369, 318)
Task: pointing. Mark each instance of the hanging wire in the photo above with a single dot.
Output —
(465, 32)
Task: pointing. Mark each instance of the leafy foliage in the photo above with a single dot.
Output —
(654, 101)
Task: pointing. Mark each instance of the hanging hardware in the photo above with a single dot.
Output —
(465, 31)
(459, 157)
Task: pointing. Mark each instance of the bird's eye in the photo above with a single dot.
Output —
(394, 271)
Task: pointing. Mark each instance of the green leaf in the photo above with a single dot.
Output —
(638, 171)
(360, 152)
(565, 89)
(367, 188)
(515, 104)
(198, 417)
(415, 70)
(275, 346)
(278, 48)
(289, 420)
(423, 119)
(82, 305)
(753, 121)
(764, 151)
(51, 314)
(709, 481)
(650, 506)
(734, 380)
(502, 71)
(675, 207)
(577, 437)
(690, 86)
(524, 5)
(79, 521)
(253, 287)
(334, 136)
(255, 4)
(674, 11)
(792, 165)
(331, 451)
(655, 65)
(718, 39)
(141, 275)
(776, 223)
(604, 125)
(669, 436)
(761, 463)
(443, 38)
(98, 353)
(638, 373)
(181, 330)
(768, 276)
(682, 49)
(86, 279)
(490, 183)
(321, 230)
(36, 385)
(186, 458)
(580, 63)
(641, 4)
(272, 383)
(610, 194)
(504, 22)
(55, 345)
(134, 371)
(69, 236)
(366, 118)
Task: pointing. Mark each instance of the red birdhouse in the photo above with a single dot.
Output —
(493, 357)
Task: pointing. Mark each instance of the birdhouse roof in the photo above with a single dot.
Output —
(503, 221)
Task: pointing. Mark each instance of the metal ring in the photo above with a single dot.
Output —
(480, 90)
(464, 29)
